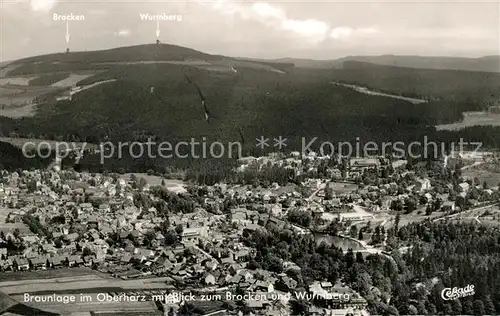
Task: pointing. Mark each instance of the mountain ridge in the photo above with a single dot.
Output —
(484, 64)
(144, 53)
(162, 52)
(155, 100)
(125, 53)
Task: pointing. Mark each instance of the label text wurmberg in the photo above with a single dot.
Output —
(160, 17)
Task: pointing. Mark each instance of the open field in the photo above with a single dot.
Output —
(405, 219)
(89, 283)
(20, 81)
(7, 91)
(19, 111)
(340, 188)
(478, 221)
(48, 276)
(489, 216)
(21, 95)
(216, 68)
(18, 100)
(472, 119)
(484, 172)
(84, 277)
(83, 281)
(91, 303)
(379, 220)
(72, 80)
(17, 95)
(489, 222)
(491, 212)
(173, 185)
(11, 90)
(10, 227)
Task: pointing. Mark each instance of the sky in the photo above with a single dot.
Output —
(246, 28)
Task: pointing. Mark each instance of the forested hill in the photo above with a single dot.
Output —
(444, 255)
(299, 104)
(125, 54)
(257, 98)
(108, 59)
(454, 85)
(456, 255)
(12, 158)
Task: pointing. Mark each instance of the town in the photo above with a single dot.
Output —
(230, 246)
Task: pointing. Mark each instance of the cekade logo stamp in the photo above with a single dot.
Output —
(456, 292)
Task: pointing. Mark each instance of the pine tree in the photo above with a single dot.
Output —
(489, 307)
(396, 224)
(478, 307)
(467, 307)
(456, 307)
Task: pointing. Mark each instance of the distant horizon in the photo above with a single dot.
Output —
(259, 58)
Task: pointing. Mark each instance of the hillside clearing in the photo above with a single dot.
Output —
(72, 80)
(28, 110)
(19, 81)
(22, 95)
(472, 119)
